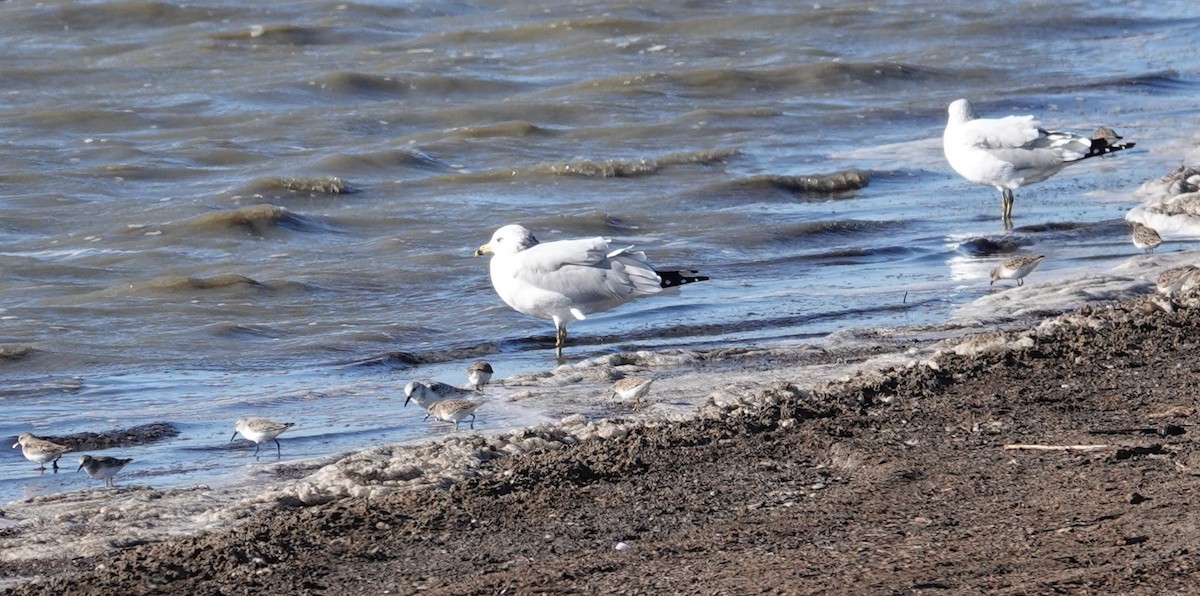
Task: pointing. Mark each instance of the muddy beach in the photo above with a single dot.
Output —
(1058, 458)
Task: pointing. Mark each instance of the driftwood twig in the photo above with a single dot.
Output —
(1055, 447)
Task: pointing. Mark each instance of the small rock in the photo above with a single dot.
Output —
(621, 546)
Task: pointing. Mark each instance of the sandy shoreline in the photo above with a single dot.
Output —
(878, 468)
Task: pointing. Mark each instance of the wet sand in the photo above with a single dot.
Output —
(894, 480)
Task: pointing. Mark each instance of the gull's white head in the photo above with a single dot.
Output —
(509, 240)
(961, 111)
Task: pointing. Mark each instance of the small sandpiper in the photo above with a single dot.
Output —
(455, 410)
(40, 451)
(427, 393)
(634, 388)
(1145, 237)
(1016, 268)
(479, 374)
(261, 430)
(1173, 280)
(102, 467)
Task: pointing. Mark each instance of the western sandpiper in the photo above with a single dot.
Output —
(426, 393)
(1145, 237)
(634, 388)
(1015, 151)
(102, 467)
(40, 451)
(1172, 280)
(455, 410)
(479, 374)
(1016, 268)
(567, 280)
(261, 430)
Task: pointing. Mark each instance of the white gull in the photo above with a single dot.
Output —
(1014, 151)
(569, 279)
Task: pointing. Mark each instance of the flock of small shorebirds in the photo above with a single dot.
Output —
(566, 280)
(443, 401)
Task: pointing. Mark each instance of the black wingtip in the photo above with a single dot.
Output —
(670, 279)
(1105, 140)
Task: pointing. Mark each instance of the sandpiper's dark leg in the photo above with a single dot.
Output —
(472, 422)
(256, 449)
(278, 453)
(55, 463)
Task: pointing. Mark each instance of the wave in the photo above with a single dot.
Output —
(601, 168)
(726, 83)
(326, 185)
(512, 128)
(840, 228)
(238, 331)
(128, 14)
(403, 359)
(255, 219)
(278, 34)
(14, 352)
(124, 437)
(387, 87)
(593, 223)
(381, 160)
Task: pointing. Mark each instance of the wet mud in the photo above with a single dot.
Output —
(1060, 458)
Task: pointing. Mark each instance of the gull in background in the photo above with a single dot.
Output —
(567, 280)
(1015, 151)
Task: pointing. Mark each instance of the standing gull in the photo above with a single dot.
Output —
(1014, 151)
(1016, 267)
(569, 279)
(261, 430)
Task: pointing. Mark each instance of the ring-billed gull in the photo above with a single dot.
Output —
(40, 450)
(102, 467)
(1016, 268)
(261, 430)
(567, 280)
(1014, 151)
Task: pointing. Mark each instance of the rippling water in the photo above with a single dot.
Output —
(268, 208)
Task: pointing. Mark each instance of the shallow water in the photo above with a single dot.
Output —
(173, 251)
